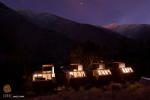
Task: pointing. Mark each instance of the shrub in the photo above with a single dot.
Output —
(115, 87)
(134, 86)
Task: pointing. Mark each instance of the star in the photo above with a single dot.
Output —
(81, 3)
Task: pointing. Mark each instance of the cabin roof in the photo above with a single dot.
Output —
(75, 64)
(47, 65)
(117, 62)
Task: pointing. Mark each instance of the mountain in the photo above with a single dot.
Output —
(108, 40)
(140, 32)
(73, 30)
(24, 46)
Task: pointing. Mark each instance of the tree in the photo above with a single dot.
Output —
(85, 53)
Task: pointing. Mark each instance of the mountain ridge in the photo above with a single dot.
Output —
(73, 30)
(136, 31)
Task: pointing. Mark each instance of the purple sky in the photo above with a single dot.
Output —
(98, 12)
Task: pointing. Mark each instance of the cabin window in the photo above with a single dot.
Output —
(127, 70)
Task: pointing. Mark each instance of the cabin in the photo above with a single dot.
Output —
(100, 70)
(122, 68)
(76, 71)
(121, 72)
(46, 74)
(75, 76)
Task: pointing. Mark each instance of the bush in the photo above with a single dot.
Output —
(114, 91)
(134, 86)
(115, 86)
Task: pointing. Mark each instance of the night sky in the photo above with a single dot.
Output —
(97, 12)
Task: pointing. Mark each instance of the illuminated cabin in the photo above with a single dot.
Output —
(76, 72)
(123, 69)
(100, 70)
(46, 74)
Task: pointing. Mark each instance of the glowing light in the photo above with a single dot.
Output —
(71, 73)
(35, 75)
(81, 3)
(75, 70)
(53, 75)
(80, 67)
(101, 66)
(47, 65)
(52, 69)
(121, 65)
(101, 72)
(76, 74)
(127, 70)
(39, 75)
(109, 72)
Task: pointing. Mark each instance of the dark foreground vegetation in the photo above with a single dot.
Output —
(113, 91)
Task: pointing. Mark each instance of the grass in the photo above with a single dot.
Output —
(113, 91)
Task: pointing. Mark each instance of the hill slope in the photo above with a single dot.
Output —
(105, 38)
(139, 32)
(23, 44)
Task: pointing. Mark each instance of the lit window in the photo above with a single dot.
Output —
(53, 75)
(80, 67)
(103, 72)
(127, 70)
(106, 72)
(35, 75)
(99, 72)
(121, 65)
(109, 72)
(39, 75)
(71, 73)
(101, 66)
(74, 69)
(77, 74)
